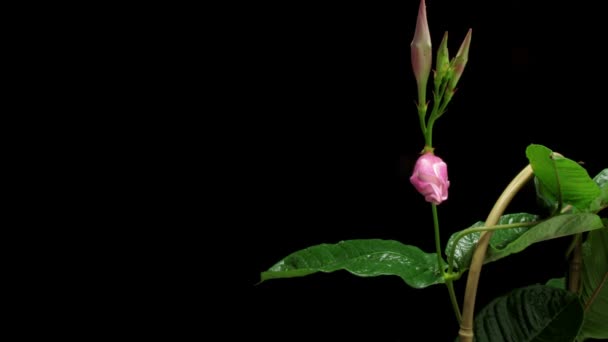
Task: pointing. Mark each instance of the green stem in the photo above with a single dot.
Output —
(574, 274)
(440, 102)
(572, 245)
(429, 133)
(468, 231)
(448, 282)
(422, 94)
(437, 240)
(422, 117)
(422, 107)
(428, 137)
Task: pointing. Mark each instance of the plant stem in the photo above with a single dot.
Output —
(440, 102)
(422, 117)
(574, 274)
(437, 240)
(448, 282)
(428, 136)
(466, 326)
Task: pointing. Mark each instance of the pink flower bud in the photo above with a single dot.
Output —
(421, 49)
(430, 178)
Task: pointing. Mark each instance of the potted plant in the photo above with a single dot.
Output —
(569, 308)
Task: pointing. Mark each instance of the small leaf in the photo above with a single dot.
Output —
(562, 178)
(531, 314)
(594, 293)
(558, 283)
(364, 258)
(601, 201)
(509, 241)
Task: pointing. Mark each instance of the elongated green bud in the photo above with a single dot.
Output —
(460, 61)
(443, 60)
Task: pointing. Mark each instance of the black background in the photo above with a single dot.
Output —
(318, 102)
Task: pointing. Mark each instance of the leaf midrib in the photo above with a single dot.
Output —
(553, 318)
(596, 292)
(333, 264)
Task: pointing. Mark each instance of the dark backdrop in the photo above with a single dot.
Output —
(321, 107)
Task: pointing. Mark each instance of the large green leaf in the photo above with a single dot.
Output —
(510, 241)
(466, 245)
(536, 313)
(364, 258)
(594, 292)
(562, 178)
(557, 226)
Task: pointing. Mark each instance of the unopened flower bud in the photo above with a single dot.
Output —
(443, 60)
(430, 178)
(421, 50)
(460, 61)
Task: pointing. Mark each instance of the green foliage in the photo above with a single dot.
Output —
(364, 258)
(465, 246)
(601, 201)
(558, 283)
(536, 313)
(514, 240)
(561, 180)
(594, 287)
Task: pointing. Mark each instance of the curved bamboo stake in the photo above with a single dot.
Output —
(466, 326)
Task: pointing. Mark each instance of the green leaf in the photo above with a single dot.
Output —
(558, 283)
(466, 246)
(594, 292)
(601, 179)
(562, 178)
(601, 201)
(510, 241)
(364, 258)
(557, 226)
(544, 197)
(531, 314)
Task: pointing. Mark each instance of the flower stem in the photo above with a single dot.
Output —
(448, 282)
(422, 117)
(437, 240)
(466, 326)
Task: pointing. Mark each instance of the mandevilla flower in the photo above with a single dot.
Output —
(430, 178)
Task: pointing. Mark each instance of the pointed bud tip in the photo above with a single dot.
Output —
(461, 59)
(422, 35)
(466, 43)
